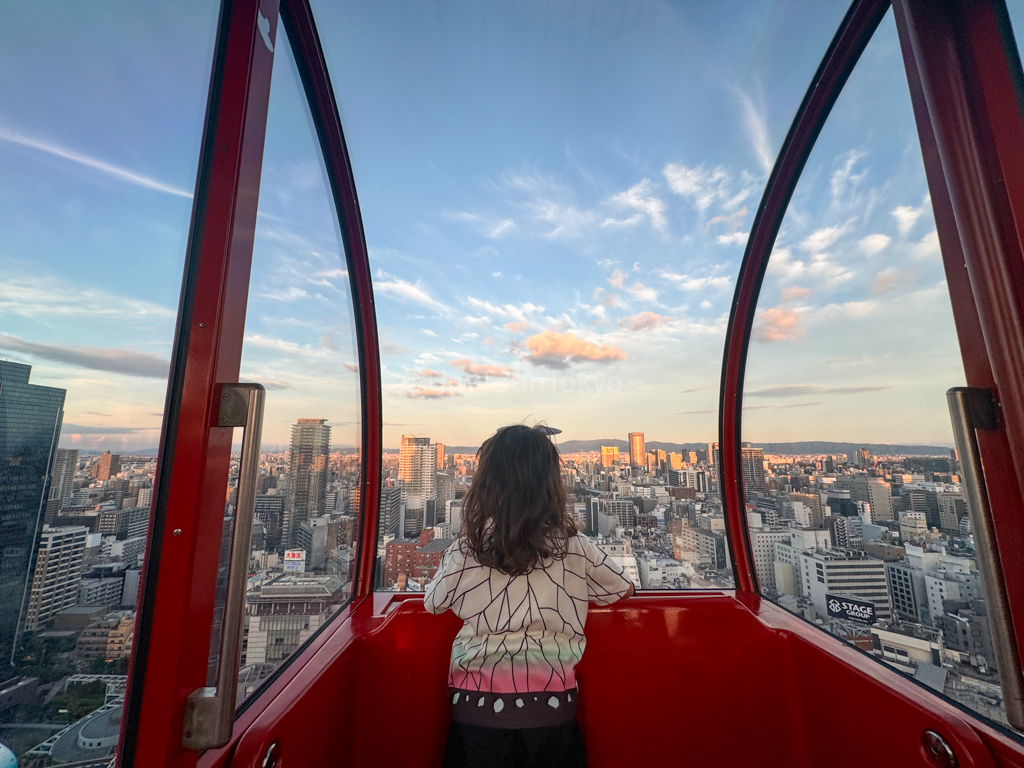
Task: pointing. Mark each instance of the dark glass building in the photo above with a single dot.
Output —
(30, 421)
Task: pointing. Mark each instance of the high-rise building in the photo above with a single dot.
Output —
(63, 484)
(145, 497)
(675, 461)
(752, 466)
(58, 574)
(637, 449)
(919, 500)
(307, 475)
(106, 466)
(30, 422)
(609, 455)
(875, 492)
(440, 455)
(417, 469)
(845, 572)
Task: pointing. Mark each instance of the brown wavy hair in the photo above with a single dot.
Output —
(514, 514)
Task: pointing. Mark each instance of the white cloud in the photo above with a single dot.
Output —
(927, 247)
(874, 244)
(906, 217)
(843, 177)
(500, 228)
(700, 185)
(821, 239)
(688, 283)
(756, 129)
(106, 168)
(505, 311)
(411, 292)
(733, 238)
(640, 197)
(37, 297)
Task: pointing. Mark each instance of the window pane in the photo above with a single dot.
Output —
(99, 142)
(556, 199)
(857, 518)
(300, 345)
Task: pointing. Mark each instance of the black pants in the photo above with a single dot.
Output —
(471, 746)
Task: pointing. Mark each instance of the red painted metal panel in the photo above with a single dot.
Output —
(700, 679)
(172, 640)
(298, 20)
(842, 55)
(965, 77)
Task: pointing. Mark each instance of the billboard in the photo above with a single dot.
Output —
(295, 560)
(850, 609)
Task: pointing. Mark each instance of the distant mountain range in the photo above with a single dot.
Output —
(792, 449)
(807, 447)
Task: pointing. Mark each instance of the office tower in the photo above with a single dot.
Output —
(609, 455)
(106, 466)
(440, 455)
(875, 492)
(920, 500)
(389, 523)
(845, 572)
(417, 469)
(58, 574)
(145, 498)
(952, 509)
(637, 449)
(30, 421)
(624, 509)
(307, 475)
(675, 461)
(64, 466)
(715, 460)
(752, 466)
(444, 484)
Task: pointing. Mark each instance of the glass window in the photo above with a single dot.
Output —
(856, 514)
(99, 142)
(556, 199)
(300, 345)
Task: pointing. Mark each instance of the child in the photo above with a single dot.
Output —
(520, 577)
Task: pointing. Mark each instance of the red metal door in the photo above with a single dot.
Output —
(176, 610)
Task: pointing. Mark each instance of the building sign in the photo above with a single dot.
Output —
(295, 560)
(850, 609)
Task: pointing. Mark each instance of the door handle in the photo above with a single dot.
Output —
(970, 409)
(210, 712)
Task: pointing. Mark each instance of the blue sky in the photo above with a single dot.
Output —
(555, 197)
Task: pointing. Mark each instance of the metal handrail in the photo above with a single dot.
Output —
(972, 408)
(209, 711)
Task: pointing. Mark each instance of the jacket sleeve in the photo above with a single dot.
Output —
(606, 581)
(443, 588)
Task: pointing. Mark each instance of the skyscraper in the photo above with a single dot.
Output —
(440, 455)
(637, 449)
(609, 455)
(307, 475)
(752, 466)
(58, 574)
(106, 466)
(64, 467)
(417, 469)
(30, 421)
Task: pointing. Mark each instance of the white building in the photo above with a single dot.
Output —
(620, 552)
(849, 573)
(58, 573)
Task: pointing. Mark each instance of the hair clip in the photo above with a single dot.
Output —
(546, 430)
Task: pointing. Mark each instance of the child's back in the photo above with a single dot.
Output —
(512, 681)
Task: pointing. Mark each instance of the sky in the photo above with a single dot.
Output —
(556, 197)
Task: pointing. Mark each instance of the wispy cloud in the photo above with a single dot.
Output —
(700, 185)
(641, 198)
(642, 321)
(874, 244)
(906, 217)
(126, 361)
(49, 297)
(108, 169)
(756, 128)
(477, 373)
(691, 283)
(410, 292)
(426, 393)
(800, 390)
